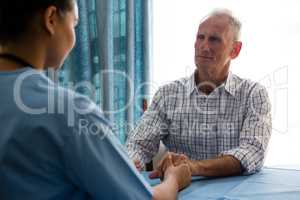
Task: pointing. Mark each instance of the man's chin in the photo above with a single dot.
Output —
(203, 65)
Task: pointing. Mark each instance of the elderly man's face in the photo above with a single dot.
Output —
(214, 45)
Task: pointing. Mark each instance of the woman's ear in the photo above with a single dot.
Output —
(50, 19)
(237, 46)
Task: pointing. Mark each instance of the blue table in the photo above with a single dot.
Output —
(269, 184)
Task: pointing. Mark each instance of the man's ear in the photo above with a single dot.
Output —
(50, 18)
(237, 46)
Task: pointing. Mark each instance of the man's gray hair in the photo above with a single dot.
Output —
(233, 20)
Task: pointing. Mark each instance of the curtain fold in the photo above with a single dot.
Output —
(112, 57)
(105, 25)
(130, 27)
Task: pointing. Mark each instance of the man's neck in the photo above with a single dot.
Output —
(207, 83)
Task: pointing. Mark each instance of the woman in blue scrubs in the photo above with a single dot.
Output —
(55, 143)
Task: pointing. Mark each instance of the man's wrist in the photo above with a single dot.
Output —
(197, 167)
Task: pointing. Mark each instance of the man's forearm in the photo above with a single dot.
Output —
(221, 166)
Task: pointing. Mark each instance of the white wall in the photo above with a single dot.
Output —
(271, 44)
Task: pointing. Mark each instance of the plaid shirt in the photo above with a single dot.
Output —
(232, 120)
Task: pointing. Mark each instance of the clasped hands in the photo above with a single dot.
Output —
(172, 164)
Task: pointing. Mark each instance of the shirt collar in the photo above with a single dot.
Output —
(191, 85)
(229, 84)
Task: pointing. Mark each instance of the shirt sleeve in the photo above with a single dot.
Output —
(255, 133)
(143, 142)
(96, 162)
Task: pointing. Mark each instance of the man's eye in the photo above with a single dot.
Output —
(201, 37)
(214, 39)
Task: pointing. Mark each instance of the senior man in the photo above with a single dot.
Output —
(217, 122)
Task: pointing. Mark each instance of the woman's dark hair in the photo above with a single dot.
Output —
(16, 16)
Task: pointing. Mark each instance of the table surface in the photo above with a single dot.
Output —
(268, 184)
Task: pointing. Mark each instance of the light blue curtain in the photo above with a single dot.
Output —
(112, 52)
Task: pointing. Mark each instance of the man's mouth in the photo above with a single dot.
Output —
(205, 57)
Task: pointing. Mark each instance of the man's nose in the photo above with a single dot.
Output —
(204, 46)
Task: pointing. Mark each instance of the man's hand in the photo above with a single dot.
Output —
(167, 170)
(181, 173)
(177, 159)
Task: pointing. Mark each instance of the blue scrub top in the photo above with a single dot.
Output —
(56, 144)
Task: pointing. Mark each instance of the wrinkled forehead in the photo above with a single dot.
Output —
(216, 25)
